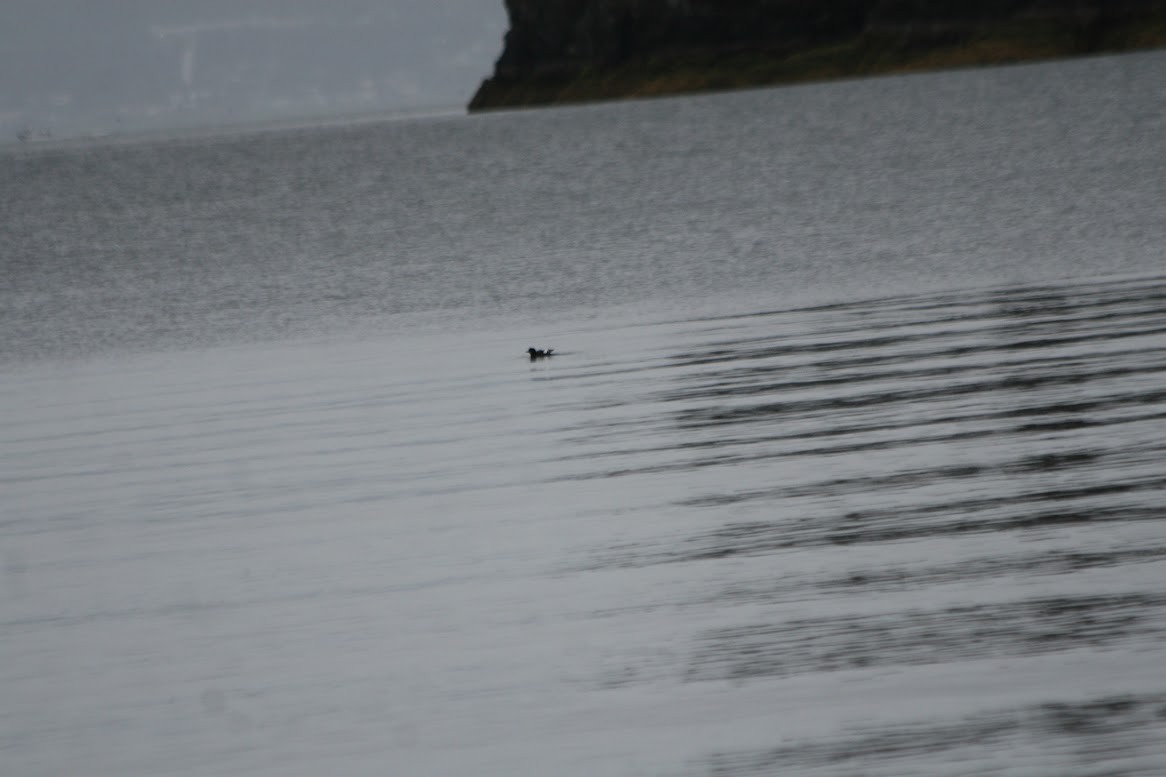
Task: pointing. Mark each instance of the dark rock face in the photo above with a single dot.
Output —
(566, 50)
(567, 35)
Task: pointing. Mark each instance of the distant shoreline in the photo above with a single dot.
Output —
(526, 76)
(219, 128)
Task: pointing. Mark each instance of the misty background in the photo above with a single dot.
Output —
(79, 67)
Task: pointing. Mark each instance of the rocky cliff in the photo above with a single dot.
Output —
(573, 50)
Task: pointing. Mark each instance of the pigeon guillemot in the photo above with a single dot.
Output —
(536, 353)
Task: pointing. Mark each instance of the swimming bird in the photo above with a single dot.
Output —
(536, 353)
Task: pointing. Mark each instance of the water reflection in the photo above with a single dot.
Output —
(999, 411)
(1079, 735)
(935, 446)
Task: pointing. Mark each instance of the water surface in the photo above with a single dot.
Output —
(850, 460)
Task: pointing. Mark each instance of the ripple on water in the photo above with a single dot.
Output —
(926, 481)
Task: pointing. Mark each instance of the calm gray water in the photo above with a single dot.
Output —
(850, 460)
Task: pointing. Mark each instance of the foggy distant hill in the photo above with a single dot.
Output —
(70, 66)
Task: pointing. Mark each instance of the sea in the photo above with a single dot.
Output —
(850, 458)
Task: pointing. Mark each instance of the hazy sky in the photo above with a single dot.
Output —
(83, 66)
